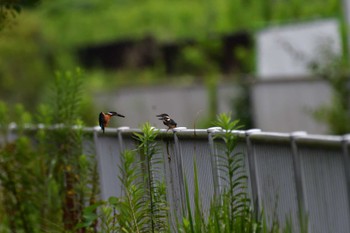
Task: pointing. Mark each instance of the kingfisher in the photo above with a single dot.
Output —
(167, 120)
(104, 118)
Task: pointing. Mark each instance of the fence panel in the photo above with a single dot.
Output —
(172, 179)
(108, 159)
(276, 185)
(325, 188)
(197, 149)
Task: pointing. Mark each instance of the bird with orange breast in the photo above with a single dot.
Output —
(167, 120)
(104, 118)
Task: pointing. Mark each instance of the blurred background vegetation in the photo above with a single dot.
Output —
(161, 41)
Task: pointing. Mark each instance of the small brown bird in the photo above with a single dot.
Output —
(104, 118)
(167, 120)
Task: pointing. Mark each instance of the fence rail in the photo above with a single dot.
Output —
(287, 172)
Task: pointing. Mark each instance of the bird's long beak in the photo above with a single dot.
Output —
(120, 115)
(162, 116)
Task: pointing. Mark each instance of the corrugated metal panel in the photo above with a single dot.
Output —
(173, 181)
(199, 150)
(108, 157)
(325, 189)
(242, 148)
(276, 182)
(129, 143)
(89, 147)
(222, 172)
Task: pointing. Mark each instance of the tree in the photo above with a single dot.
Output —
(9, 9)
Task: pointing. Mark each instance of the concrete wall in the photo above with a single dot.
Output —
(187, 105)
(287, 50)
(283, 106)
(278, 105)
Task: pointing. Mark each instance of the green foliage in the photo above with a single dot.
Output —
(4, 118)
(212, 90)
(132, 209)
(25, 64)
(28, 58)
(67, 169)
(155, 188)
(128, 213)
(234, 178)
(200, 59)
(148, 146)
(143, 206)
(45, 180)
(335, 70)
(67, 97)
(168, 21)
(230, 140)
(19, 181)
(242, 104)
(193, 222)
(8, 10)
(230, 211)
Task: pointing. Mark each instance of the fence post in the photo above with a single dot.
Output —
(180, 173)
(99, 160)
(253, 170)
(346, 162)
(214, 160)
(298, 174)
(120, 139)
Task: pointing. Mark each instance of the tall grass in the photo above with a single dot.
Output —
(155, 186)
(45, 179)
(132, 207)
(18, 180)
(334, 69)
(231, 210)
(143, 206)
(65, 164)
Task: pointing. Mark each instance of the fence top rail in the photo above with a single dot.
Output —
(255, 135)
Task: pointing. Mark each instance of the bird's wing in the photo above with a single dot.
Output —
(101, 120)
(172, 122)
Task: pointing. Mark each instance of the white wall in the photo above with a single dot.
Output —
(286, 51)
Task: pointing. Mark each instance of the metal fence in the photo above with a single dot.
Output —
(286, 172)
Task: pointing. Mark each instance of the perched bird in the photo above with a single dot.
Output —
(167, 120)
(104, 118)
